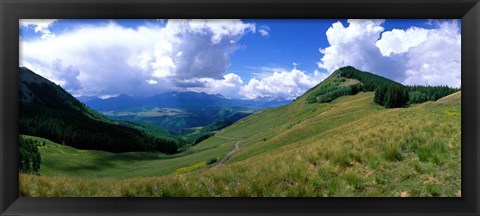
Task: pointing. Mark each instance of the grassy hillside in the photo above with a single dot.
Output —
(349, 147)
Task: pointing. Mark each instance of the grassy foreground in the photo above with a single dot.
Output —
(349, 147)
(62, 160)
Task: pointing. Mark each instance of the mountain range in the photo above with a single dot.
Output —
(177, 111)
(184, 100)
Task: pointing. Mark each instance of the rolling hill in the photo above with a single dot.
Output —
(350, 146)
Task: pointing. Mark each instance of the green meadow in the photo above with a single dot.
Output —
(62, 160)
(348, 147)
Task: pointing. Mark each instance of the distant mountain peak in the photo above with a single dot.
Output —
(220, 95)
(85, 99)
(270, 98)
(123, 95)
(179, 93)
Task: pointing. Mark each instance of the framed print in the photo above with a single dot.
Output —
(239, 108)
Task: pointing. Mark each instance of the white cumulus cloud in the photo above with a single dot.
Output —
(284, 84)
(413, 56)
(355, 45)
(271, 83)
(110, 59)
(436, 61)
(400, 41)
(264, 30)
(229, 86)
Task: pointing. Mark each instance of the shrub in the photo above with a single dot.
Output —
(212, 161)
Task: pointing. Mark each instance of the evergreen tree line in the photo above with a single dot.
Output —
(84, 133)
(331, 91)
(338, 92)
(319, 91)
(392, 96)
(28, 155)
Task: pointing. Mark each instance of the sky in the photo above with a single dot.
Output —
(245, 59)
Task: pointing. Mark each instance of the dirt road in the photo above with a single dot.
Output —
(229, 154)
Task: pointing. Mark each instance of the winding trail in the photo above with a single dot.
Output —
(229, 154)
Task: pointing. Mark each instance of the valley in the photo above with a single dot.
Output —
(177, 112)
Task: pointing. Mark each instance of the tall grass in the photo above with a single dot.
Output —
(354, 149)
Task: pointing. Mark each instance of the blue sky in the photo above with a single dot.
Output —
(236, 58)
(294, 41)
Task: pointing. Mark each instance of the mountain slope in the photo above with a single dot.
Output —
(44, 94)
(48, 111)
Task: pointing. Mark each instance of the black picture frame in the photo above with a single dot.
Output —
(13, 10)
